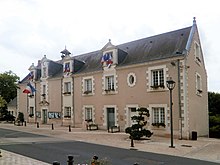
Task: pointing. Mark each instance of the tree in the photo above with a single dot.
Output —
(8, 87)
(214, 114)
(137, 130)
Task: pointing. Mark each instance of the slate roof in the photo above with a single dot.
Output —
(162, 46)
(153, 48)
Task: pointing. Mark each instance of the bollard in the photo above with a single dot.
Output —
(132, 141)
(52, 127)
(25, 123)
(69, 128)
(37, 125)
(56, 163)
(70, 160)
(0, 153)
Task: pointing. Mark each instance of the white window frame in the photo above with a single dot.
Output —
(85, 110)
(88, 113)
(67, 112)
(110, 83)
(44, 72)
(157, 78)
(197, 50)
(31, 111)
(161, 115)
(198, 84)
(67, 87)
(151, 119)
(150, 78)
(133, 77)
(88, 85)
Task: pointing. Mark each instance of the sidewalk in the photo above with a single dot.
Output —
(203, 148)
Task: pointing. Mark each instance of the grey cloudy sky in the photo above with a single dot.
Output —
(30, 29)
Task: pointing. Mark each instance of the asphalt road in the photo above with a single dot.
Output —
(49, 149)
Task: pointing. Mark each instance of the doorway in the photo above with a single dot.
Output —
(44, 115)
(110, 117)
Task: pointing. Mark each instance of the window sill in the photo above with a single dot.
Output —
(67, 93)
(110, 91)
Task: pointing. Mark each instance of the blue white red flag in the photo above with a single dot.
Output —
(108, 59)
(29, 89)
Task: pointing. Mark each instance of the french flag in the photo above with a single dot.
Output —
(29, 89)
(108, 59)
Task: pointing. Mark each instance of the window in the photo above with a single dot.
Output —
(67, 88)
(44, 72)
(88, 86)
(67, 112)
(197, 52)
(31, 111)
(198, 84)
(109, 83)
(158, 115)
(88, 113)
(157, 78)
(67, 67)
(131, 79)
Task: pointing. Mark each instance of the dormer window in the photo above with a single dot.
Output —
(107, 59)
(66, 67)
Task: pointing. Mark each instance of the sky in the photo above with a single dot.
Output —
(30, 29)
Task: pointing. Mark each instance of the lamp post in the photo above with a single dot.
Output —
(170, 86)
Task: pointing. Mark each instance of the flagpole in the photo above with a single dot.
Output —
(27, 109)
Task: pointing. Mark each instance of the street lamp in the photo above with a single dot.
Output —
(170, 86)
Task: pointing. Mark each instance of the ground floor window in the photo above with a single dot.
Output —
(67, 112)
(158, 115)
(88, 113)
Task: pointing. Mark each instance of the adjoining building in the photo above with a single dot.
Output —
(108, 85)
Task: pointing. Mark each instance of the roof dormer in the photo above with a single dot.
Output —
(33, 72)
(109, 55)
(67, 62)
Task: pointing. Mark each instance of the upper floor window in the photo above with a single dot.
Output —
(31, 113)
(198, 84)
(44, 89)
(44, 72)
(87, 85)
(197, 52)
(67, 88)
(109, 83)
(157, 79)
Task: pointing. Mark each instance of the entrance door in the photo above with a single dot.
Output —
(110, 117)
(44, 115)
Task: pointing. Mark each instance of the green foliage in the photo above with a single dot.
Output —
(214, 103)
(214, 114)
(8, 87)
(2, 102)
(137, 130)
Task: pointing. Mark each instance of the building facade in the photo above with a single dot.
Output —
(108, 85)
